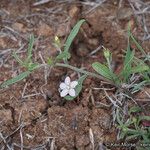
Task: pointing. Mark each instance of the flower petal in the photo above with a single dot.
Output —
(63, 93)
(73, 84)
(67, 80)
(72, 92)
(63, 86)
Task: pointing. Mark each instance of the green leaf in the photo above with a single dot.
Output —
(126, 72)
(15, 79)
(32, 66)
(133, 131)
(146, 137)
(72, 35)
(122, 135)
(30, 48)
(29, 53)
(131, 37)
(137, 44)
(17, 58)
(128, 59)
(118, 118)
(78, 88)
(140, 69)
(146, 76)
(135, 109)
(103, 70)
(130, 137)
(144, 118)
(50, 61)
(63, 55)
(140, 118)
(139, 86)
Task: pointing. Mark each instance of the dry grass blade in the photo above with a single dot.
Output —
(91, 138)
(21, 137)
(4, 141)
(96, 5)
(46, 68)
(41, 2)
(111, 99)
(95, 51)
(52, 147)
(142, 10)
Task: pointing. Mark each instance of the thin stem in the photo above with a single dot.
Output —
(83, 71)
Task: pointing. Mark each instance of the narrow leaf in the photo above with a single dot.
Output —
(103, 70)
(139, 86)
(15, 79)
(135, 109)
(50, 61)
(130, 137)
(128, 58)
(144, 118)
(127, 64)
(30, 47)
(137, 44)
(72, 35)
(17, 58)
(122, 135)
(32, 66)
(118, 118)
(63, 55)
(140, 69)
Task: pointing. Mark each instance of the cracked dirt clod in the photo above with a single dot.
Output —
(31, 110)
(44, 30)
(124, 13)
(62, 121)
(63, 29)
(67, 122)
(19, 27)
(6, 117)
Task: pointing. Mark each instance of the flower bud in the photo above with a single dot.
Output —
(107, 53)
(57, 41)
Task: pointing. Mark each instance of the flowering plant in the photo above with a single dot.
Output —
(71, 89)
(68, 87)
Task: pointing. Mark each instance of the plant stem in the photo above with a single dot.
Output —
(83, 71)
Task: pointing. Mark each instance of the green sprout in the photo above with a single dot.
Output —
(104, 71)
(132, 129)
(27, 64)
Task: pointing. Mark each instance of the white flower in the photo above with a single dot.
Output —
(67, 87)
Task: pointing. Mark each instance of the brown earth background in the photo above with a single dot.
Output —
(32, 113)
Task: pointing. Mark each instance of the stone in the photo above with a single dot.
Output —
(3, 44)
(19, 27)
(44, 30)
(63, 30)
(124, 13)
(74, 11)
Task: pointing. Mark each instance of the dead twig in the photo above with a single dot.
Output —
(142, 10)
(95, 51)
(41, 2)
(95, 6)
(21, 137)
(4, 141)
